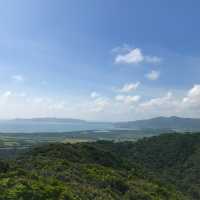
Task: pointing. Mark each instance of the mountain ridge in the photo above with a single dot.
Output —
(173, 122)
(161, 123)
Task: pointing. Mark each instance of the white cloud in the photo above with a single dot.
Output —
(127, 99)
(135, 56)
(193, 96)
(7, 94)
(167, 105)
(120, 107)
(22, 94)
(153, 75)
(121, 49)
(18, 78)
(39, 100)
(161, 101)
(94, 95)
(18, 104)
(131, 106)
(99, 104)
(129, 87)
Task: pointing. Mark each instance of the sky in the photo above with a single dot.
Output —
(105, 60)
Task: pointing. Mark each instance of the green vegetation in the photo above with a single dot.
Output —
(165, 167)
(24, 140)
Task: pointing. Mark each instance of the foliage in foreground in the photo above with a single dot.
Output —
(159, 168)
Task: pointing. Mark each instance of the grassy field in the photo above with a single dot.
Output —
(24, 140)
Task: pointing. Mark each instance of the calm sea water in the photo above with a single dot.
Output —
(29, 127)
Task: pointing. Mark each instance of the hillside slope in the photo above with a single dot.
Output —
(171, 158)
(165, 167)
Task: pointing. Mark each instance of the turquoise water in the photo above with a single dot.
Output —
(29, 127)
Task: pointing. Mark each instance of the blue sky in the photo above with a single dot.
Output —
(99, 59)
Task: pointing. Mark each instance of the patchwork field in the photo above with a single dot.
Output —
(24, 140)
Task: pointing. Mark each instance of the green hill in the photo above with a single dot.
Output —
(165, 167)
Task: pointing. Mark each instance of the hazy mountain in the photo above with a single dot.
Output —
(158, 123)
(175, 123)
(51, 125)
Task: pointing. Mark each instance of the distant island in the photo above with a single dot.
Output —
(163, 123)
(173, 123)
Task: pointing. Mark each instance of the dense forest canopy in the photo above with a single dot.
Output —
(157, 168)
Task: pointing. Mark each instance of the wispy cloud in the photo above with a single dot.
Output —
(94, 94)
(153, 75)
(127, 99)
(18, 78)
(99, 104)
(160, 101)
(116, 107)
(135, 56)
(193, 96)
(129, 87)
(121, 49)
(7, 94)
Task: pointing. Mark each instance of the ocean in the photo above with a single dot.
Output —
(32, 127)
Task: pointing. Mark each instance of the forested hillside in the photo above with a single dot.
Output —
(165, 167)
